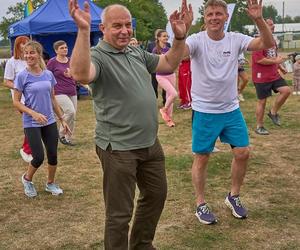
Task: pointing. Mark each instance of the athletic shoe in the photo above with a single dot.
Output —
(65, 141)
(26, 157)
(261, 131)
(164, 115)
(241, 98)
(187, 106)
(216, 150)
(180, 106)
(29, 188)
(275, 118)
(295, 93)
(204, 215)
(235, 204)
(54, 189)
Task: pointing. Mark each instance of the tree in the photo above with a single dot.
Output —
(15, 13)
(149, 14)
(269, 11)
(297, 19)
(239, 17)
(288, 19)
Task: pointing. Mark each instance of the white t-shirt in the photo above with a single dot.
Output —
(214, 66)
(12, 68)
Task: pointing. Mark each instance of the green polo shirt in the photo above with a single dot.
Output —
(124, 100)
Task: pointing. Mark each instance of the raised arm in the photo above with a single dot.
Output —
(181, 23)
(81, 68)
(265, 40)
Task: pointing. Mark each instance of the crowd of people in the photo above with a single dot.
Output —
(211, 80)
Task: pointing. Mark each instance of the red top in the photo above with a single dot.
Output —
(264, 73)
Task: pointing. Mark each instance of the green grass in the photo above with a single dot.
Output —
(75, 220)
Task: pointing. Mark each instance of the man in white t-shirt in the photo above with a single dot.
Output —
(214, 63)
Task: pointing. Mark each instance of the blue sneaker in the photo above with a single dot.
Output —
(235, 204)
(204, 214)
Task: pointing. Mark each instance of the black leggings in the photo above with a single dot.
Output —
(49, 135)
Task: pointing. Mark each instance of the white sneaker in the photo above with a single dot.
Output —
(29, 188)
(54, 189)
(26, 157)
(241, 98)
(295, 93)
(298, 92)
(216, 150)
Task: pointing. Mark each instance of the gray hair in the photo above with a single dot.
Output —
(220, 3)
(109, 7)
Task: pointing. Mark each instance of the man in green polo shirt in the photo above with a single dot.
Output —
(126, 114)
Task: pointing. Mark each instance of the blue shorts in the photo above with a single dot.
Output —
(206, 128)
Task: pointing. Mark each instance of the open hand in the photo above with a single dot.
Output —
(40, 118)
(67, 73)
(254, 9)
(67, 130)
(81, 17)
(181, 21)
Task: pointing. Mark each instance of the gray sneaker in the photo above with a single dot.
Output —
(29, 188)
(54, 189)
(275, 118)
(261, 131)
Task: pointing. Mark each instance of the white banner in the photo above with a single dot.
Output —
(170, 32)
(230, 8)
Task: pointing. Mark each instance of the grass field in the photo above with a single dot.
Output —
(75, 220)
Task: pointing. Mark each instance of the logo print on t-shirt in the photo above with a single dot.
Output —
(226, 53)
(271, 53)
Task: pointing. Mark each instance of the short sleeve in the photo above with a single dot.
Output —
(151, 61)
(9, 72)
(19, 81)
(52, 79)
(191, 42)
(95, 58)
(245, 41)
(50, 65)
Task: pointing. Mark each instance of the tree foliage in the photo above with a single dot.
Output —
(240, 17)
(15, 13)
(149, 14)
(269, 11)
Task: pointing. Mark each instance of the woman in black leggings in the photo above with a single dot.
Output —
(36, 84)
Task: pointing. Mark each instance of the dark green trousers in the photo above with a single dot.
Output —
(122, 171)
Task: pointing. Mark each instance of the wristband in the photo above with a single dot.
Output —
(180, 38)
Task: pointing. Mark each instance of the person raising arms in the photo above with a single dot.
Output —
(216, 113)
(126, 114)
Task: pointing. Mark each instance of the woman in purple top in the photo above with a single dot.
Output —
(37, 86)
(167, 81)
(65, 89)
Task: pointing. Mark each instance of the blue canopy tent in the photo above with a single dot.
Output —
(52, 22)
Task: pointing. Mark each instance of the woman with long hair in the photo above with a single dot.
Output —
(13, 66)
(65, 89)
(36, 84)
(167, 81)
